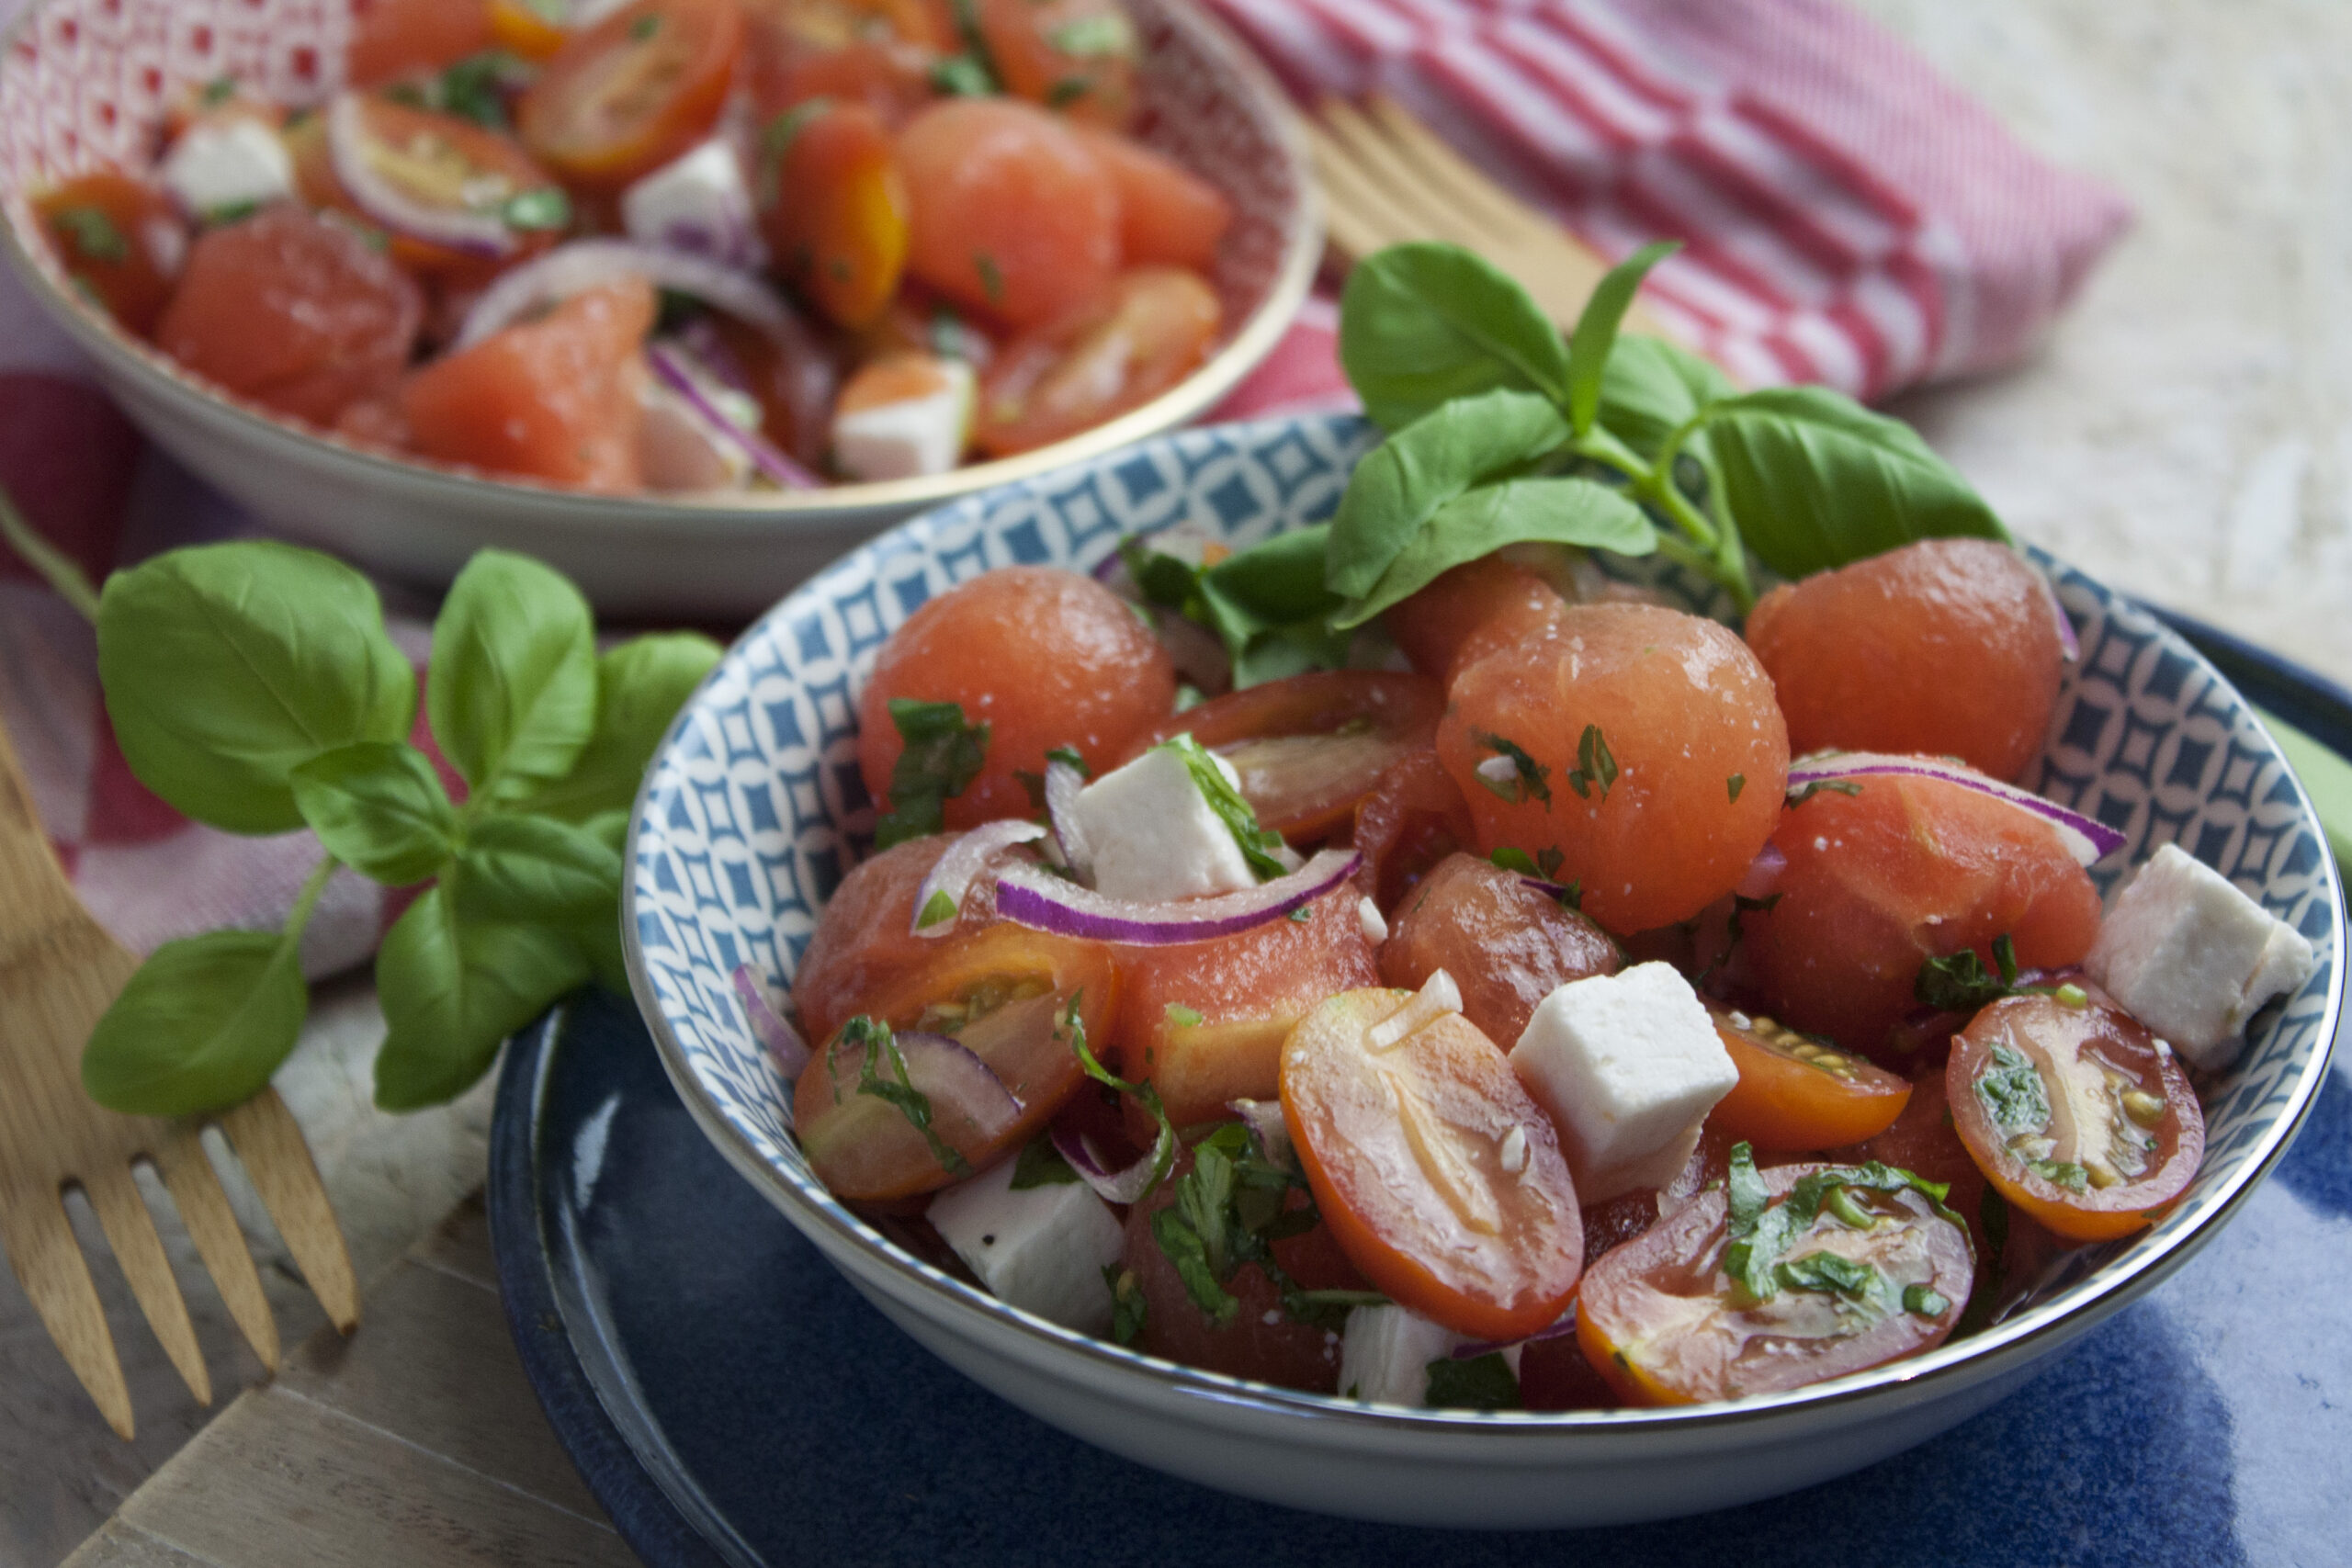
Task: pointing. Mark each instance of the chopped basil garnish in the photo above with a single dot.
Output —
(963, 76)
(1835, 787)
(1164, 580)
(936, 910)
(992, 279)
(1925, 1301)
(1070, 754)
(1528, 779)
(1230, 1210)
(1509, 858)
(1761, 1230)
(471, 88)
(545, 207)
(942, 758)
(1126, 1303)
(229, 212)
(91, 232)
(2012, 1092)
(1040, 1164)
(1089, 37)
(880, 1048)
(1163, 1146)
(1960, 982)
(1826, 1273)
(1256, 843)
(1481, 1383)
(2061, 1173)
(1181, 1016)
(1734, 784)
(1594, 764)
(644, 27)
(1067, 91)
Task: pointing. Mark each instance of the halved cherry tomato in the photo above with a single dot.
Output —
(1169, 215)
(1077, 56)
(790, 374)
(1470, 609)
(2074, 1113)
(1112, 352)
(1795, 1093)
(1413, 818)
(632, 92)
(1310, 747)
(1002, 993)
(1442, 1180)
(1661, 1320)
(295, 311)
(866, 940)
(879, 53)
(555, 399)
(393, 38)
(520, 28)
(1507, 945)
(447, 163)
(120, 238)
(1204, 1022)
(833, 207)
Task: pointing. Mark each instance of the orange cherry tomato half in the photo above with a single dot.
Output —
(447, 163)
(1002, 992)
(833, 207)
(1077, 56)
(1413, 818)
(1443, 1181)
(1797, 1093)
(1665, 1324)
(1117, 351)
(632, 92)
(122, 240)
(876, 52)
(2074, 1113)
(1309, 747)
(519, 27)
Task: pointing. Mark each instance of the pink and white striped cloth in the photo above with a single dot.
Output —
(1850, 218)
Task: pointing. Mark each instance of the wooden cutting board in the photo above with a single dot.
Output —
(415, 1441)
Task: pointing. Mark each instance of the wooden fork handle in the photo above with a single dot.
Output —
(34, 894)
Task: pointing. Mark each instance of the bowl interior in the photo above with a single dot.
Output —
(755, 809)
(86, 85)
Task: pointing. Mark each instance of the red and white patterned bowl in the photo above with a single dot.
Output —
(86, 84)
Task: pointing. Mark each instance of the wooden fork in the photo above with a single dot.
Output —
(58, 969)
(1387, 178)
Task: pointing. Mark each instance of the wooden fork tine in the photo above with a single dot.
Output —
(1433, 162)
(1362, 216)
(1436, 211)
(212, 1225)
(123, 1213)
(269, 1143)
(49, 1262)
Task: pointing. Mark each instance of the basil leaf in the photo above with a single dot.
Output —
(939, 758)
(201, 1027)
(453, 990)
(1041, 1165)
(536, 868)
(512, 686)
(1422, 324)
(1481, 521)
(1829, 1273)
(1481, 1383)
(2012, 1092)
(1958, 983)
(1817, 480)
(1650, 388)
(1409, 479)
(1268, 604)
(377, 806)
(226, 667)
(640, 686)
(1596, 330)
(598, 941)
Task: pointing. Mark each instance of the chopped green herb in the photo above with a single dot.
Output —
(942, 756)
(474, 87)
(992, 279)
(1734, 784)
(2012, 1093)
(1108, 33)
(1925, 1301)
(1960, 982)
(92, 233)
(937, 910)
(1071, 1027)
(1572, 896)
(1127, 1304)
(1256, 843)
(1040, 1164)
(218, 91)
(2061, 1173)
(1481, 1383)
(1067, 90)
(229, 212)
(880, 1048)
(409, 94)
(1181, 1016)
(545, 207)
(2072, 996)
(963, 76)
(645, 26)
(1301, 915)
(1829, 1274)
(1188, 696)
(1835, 786)
(1511, 859)
(1529, 780)
(1594, 764)
(1549, 860)
(1164, 580)
(1070, 754)
(1761, 1230)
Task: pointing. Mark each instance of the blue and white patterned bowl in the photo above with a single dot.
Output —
(754, 810)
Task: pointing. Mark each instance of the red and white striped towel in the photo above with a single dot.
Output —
(1850, 218)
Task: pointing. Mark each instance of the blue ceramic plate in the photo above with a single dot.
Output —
(752, 810)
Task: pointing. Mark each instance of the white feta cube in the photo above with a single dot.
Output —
(1386, 1353)
(229, 161)
(1628, 1066)
(909, 437)
(699, 204)
(2192, 957)
(1154, 835)
(678, 450)
(1040, 1248)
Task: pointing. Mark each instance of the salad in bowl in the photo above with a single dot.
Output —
(1364, 989)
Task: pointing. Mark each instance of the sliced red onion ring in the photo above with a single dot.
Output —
(1763, 873)
(583, 264)
(1062, 785)
(768, 1027)
(1549, 890)
(1038, 898)
(1264, 1118)
(1123, 1185)
(2086, 839)
(1477, 1347)
(678, 374)
(476, 234)
(951, 1078)
(955, 871)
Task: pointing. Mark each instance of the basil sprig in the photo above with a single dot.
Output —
(252, 687)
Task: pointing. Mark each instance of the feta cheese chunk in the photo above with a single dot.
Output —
(1386, 1354)
(227, 161)
(1040, 1248)
(2192, 957)
(902, 436)
(1628, 1066)
(1154, 834)
(698, 203)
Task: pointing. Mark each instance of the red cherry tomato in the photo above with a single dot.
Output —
(445, 162)
(792, 377)
(1507, 945)
(1443, 1181)
(295, 311)
(1413, 818)
(120, 239)
(1662, 1321)
(1310, 747)
(393, 38)
(554, 398)
(2074, 1114)
(1470, 610)
(632, 92)
(1796, 1094)
(865, 941)
(1001, 992)
(879, 53)
(1077, 56)
(1169, 215)
(833, 207)
(1113, 353)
